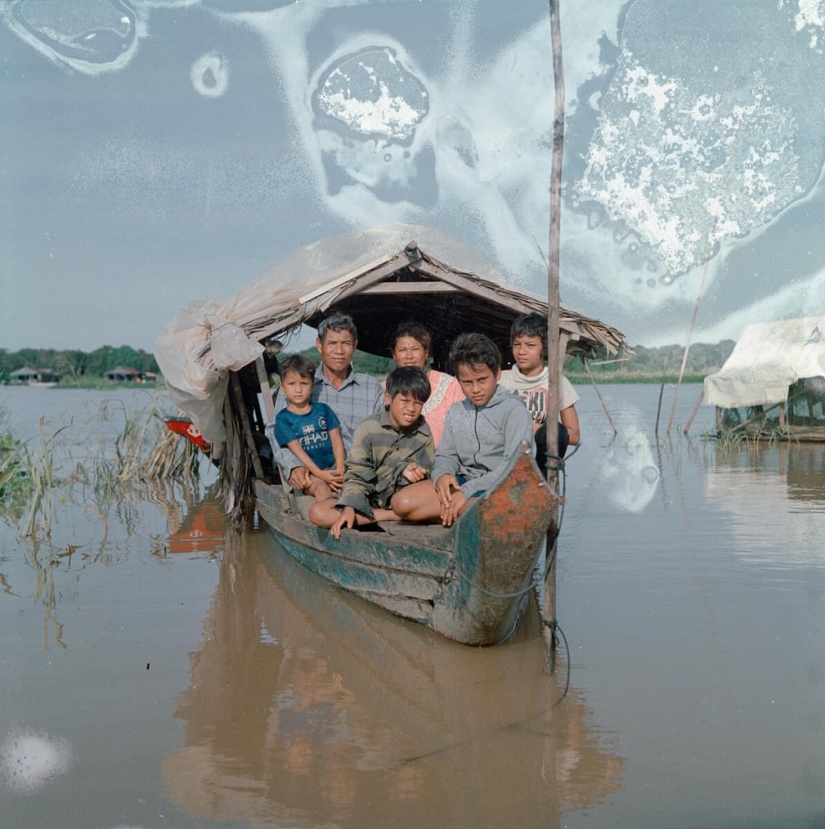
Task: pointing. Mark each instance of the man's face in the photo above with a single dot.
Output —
(336, 349)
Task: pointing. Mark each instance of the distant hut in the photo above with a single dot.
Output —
(124, 374)
(773, 383)
(27, 375)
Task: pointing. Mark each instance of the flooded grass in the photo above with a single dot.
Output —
(121, 456)
(14, 478)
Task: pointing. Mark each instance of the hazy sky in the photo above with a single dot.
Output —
(157, 151)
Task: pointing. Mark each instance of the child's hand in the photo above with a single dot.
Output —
(333, 478)
(444, 488)
(414, 473)
(451, 511)
(347, 519)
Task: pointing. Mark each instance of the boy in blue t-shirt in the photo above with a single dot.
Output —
(311, 431)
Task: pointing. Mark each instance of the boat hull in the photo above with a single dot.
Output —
(468, 582)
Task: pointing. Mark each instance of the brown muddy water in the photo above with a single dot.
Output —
(160, 672)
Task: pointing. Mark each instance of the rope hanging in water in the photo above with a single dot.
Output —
(555, 627)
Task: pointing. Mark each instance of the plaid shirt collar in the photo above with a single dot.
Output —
(320, 377)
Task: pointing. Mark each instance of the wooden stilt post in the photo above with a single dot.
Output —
(553, 361)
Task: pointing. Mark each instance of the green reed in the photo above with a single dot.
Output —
(15, 480)
(136, 458)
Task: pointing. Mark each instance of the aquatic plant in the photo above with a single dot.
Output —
(15, 480)
(41, 470)
(98, 464)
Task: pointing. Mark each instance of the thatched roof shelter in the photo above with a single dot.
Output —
(381, 277)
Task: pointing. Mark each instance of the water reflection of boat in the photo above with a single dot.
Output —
(773, 383)
(468, 582)
(307, 707)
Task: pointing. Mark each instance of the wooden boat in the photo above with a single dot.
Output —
(468, 582)
(772, 387)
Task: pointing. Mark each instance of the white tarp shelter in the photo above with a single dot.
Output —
(768, 359)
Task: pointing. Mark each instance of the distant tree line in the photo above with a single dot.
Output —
(703, 359)
(653, 363)
(68, 363)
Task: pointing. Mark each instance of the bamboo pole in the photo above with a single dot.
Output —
(599, 395)
(246, 426)
(695, 411)
(266, 392)
(661, 392)
(553, 362)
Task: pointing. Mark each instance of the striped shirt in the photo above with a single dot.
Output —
(358, 396)
(376, 462)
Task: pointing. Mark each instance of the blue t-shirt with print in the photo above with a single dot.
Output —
(312, 430)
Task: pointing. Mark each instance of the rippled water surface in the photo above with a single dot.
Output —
(159, 671)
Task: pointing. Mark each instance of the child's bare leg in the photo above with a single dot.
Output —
(318, 489)
(323, 513)
(417, 502)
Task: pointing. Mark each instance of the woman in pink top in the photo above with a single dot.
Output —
(411, 347)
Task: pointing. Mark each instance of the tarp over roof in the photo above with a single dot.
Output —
(768, 359)
(369, 274)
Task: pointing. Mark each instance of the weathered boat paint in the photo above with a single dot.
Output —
(469, 582)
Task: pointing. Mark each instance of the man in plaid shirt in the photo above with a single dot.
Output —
(351, 395)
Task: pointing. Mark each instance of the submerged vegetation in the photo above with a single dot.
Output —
(96, 492)
(118, 456)
(15, 480)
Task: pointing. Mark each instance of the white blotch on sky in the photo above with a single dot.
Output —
(811, 15)
(682, 188)
(686, 162)
(91, 37)
(210, 75)
(29, 760)
(371, 93)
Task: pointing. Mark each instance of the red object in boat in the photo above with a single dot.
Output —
(184, 426)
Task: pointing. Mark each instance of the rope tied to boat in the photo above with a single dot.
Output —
(555, 627)
(457, 570)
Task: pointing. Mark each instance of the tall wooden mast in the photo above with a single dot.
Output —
(554, 358)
